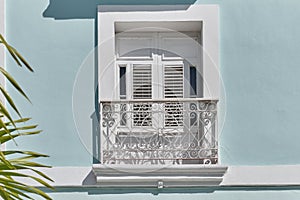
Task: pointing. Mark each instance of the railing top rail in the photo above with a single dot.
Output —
(159, 100)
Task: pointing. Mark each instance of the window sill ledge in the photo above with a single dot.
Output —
(158, 176)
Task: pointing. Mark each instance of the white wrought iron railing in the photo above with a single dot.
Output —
(171, 131)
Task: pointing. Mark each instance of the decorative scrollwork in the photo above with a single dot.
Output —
(145, 132)
(107, 116)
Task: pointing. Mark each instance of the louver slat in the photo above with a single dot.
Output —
(142, 89)
(173, 88)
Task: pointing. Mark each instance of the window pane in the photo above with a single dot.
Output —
(193, 81)
(122, 82)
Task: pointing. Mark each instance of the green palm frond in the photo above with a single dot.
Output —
(15, 54)
(15, 163)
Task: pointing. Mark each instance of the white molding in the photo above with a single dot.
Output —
(158, 176)
(273, 175)
(236, 176)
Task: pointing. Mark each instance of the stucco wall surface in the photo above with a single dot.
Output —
(259, 64)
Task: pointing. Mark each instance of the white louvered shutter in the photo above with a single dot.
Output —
(142, 82)
(142, 89)
(173, 88)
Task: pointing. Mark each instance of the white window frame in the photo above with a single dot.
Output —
(112, 18)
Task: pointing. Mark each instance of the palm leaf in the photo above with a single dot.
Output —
(4, 111)
(4, 167)
(21, 186)
(13, 82)
(16, 193)
(5, 161)
(22, 59)
(11, 130)
(18, 121)
(11, 162)
(15, 54)
(12, 174)
(4, 139)
(10, 101)
(4, 194)
(2, 125)
(10, 50)
(26, 163)
(31, 153)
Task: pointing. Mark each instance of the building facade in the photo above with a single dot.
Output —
(161, 100)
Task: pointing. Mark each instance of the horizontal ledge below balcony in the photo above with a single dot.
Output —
(159, 176)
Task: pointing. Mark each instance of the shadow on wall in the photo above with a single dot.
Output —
(94, 190)
(155, 191)
(87, 9)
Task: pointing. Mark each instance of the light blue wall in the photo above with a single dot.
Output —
(56, 49)
(259, 64)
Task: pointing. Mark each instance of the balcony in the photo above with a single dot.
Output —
(159, 132)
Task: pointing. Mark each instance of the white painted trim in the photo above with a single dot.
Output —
(273, 175)
(158, 176)
(236, 176)
(110, 15)
(62, 176)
